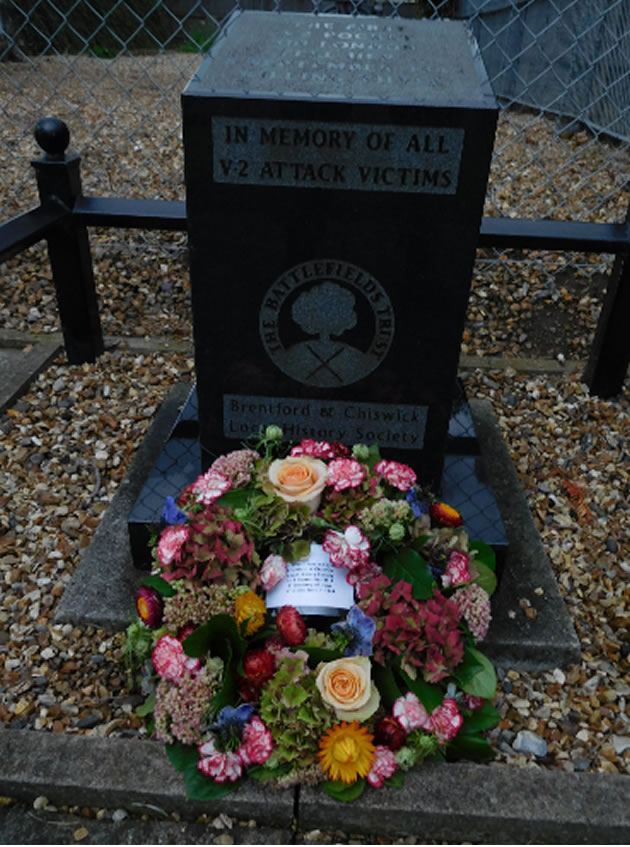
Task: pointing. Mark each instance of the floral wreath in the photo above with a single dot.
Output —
(235, 690)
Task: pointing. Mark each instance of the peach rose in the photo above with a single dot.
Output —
(346, 686)
(299, 479)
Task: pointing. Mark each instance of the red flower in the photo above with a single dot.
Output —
(345, 473)
(291, 626)
(389, 733)
(258, 666)
(150, 606)
(445, 721)
(400, 476)
(445, 515)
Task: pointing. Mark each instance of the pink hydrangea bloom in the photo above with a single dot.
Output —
(210, 486)
(410, 713)
(317, 449)
(273, 571)
(400, 476)
(473, 703)
(257, 743)
(365, 572)
(348, 549)
(169, 547)
(474, 606)
(383, 766)
(345, 473)
(445, 721)
(217, 765)
(169, 659)
(236, 466)
(456, 569)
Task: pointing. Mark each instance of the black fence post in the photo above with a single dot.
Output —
(58, 176)
(610, 352)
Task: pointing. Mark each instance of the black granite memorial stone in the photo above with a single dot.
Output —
(336, 170)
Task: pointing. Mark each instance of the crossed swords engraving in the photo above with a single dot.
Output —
(324, 363)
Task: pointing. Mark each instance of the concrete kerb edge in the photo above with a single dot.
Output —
(457, 802)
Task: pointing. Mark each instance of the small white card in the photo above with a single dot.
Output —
(313, 585)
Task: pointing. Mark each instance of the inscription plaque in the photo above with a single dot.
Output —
(333, 155)
(335, 177)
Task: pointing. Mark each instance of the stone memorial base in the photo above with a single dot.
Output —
(530, 629)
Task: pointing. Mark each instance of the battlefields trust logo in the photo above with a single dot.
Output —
(326, 323)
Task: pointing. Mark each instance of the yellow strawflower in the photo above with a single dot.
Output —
(250, 605)
(346, 751)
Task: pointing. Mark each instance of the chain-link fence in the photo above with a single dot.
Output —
(114, 72)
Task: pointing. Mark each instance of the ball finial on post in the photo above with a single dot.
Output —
(53, 137)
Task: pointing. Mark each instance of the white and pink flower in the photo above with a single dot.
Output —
(210, 486)
(219, 766)
(445, 721)
(170, 661)
(257, 743)
(473, 703)
(273, 571)
(170, 545)
(410, 713)
(400, 476)
(317, 449)
(345, 473)
(383, 766)
(348, 549)
(457, 570)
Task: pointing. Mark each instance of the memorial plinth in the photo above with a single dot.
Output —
(336, 170)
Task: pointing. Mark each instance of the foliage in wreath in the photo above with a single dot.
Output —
(236, 691)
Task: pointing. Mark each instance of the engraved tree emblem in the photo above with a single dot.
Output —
(325, 310)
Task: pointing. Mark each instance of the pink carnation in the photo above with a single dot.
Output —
(210, 486)
(473, 703)
(445, 721)
(317, 449)
(169, 659)
(456, 569)
(257, 743)
(345, 473)
(400, 476)
(383, 766)
(170, 545)
(273, 571)
(349, 549)
(217, 765)
(410, 713)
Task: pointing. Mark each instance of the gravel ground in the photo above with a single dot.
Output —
(66, 444)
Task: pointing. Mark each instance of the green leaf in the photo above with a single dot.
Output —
(487, 579)
(297, 550)
(485, 554)
(430, 695)
(215, 636)
(320, 654)
(147, 707)
(484, 718)
(397, 780)
(408, 566)
(201, 787)
(160, 585)
(468, 667)
(484, 682)
(235, 498)
(181, 756)
(343, 792)
(385, 681)
(263, 774)
(471, 746)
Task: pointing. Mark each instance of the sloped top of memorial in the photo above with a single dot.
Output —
(292, 55)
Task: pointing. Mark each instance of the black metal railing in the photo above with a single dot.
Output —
(64, 215)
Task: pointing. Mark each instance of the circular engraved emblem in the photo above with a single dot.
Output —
(326, 323)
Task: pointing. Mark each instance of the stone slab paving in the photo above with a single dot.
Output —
(453, 802)
(19, 366)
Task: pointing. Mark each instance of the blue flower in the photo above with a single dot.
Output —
(229, 725)
(360, 628)
(417, 507)
(171, 514)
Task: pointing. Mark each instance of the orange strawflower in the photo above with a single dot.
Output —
(346, 751)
